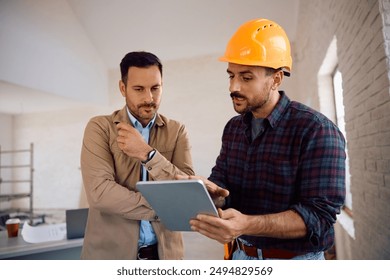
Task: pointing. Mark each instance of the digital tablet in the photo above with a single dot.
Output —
(176, 202)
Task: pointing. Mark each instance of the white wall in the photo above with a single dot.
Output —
(43, 47)
(6, 143)
(6, 131)
(196, 93)
(57, 143)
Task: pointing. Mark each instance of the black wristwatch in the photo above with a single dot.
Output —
(150, 156)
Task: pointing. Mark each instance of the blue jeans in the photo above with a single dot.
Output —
(240, 255)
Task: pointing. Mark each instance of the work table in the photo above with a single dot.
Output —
(17, 248)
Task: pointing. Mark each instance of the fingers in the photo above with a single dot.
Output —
(221, 213)
(224, 228)
(197, 177)
(190, 177)
(212, 227)
(215, 189)
(227, 214)
(183, 177)
(217, 237)
(207, 229)
(124, 129)
(122, 125)
(212, 188)
(131, 142)
(223, 192)
(128, 133)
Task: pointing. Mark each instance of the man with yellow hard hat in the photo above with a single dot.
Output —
(282, 162)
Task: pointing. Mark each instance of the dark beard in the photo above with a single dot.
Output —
(249, 108)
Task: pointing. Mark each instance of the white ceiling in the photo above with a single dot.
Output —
(63, 48)
(174, 29)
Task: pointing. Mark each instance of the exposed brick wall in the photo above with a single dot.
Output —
(362, 29)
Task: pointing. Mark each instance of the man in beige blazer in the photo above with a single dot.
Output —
(132, 144)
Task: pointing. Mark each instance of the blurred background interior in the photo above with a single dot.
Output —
(59, 66)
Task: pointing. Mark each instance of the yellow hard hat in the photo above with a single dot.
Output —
(260, 42)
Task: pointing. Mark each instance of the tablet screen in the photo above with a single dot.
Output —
(177, 201)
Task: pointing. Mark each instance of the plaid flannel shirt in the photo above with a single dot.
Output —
(296, 162)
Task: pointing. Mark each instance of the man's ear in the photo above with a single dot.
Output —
(278, 78)
(122, 88)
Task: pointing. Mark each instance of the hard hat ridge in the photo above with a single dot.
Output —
(260, 42)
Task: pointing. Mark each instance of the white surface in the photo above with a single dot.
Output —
(43, 233)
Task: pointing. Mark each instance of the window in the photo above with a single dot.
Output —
(331, 104)
(339, 108)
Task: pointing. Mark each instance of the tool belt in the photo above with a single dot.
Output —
(252, 251)
(148, 252)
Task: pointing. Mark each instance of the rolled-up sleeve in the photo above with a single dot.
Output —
(322, 181)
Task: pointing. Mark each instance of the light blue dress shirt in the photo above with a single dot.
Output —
(147, 236)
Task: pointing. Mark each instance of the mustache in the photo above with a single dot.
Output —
(236, 94)
(147, 105)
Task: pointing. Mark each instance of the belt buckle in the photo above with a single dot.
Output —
(138, 254)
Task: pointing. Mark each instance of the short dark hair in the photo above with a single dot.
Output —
(140, 59)
(270, 71)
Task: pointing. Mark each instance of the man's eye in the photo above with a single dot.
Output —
(231, 77)
(246, 79)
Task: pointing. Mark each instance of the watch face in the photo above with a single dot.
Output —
(151, 154)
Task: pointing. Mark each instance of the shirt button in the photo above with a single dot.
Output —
(150, 168)
(156, 218)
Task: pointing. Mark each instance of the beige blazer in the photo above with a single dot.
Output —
(109, 176)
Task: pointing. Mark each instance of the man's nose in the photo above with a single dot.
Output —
(148, 96)
(234, 85)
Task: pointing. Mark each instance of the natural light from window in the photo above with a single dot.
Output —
(330, 92)
(339, 106)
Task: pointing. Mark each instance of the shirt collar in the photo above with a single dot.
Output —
(136, 122)
(276, 113)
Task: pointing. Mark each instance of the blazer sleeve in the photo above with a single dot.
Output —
(172, 161)
(99, 176)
